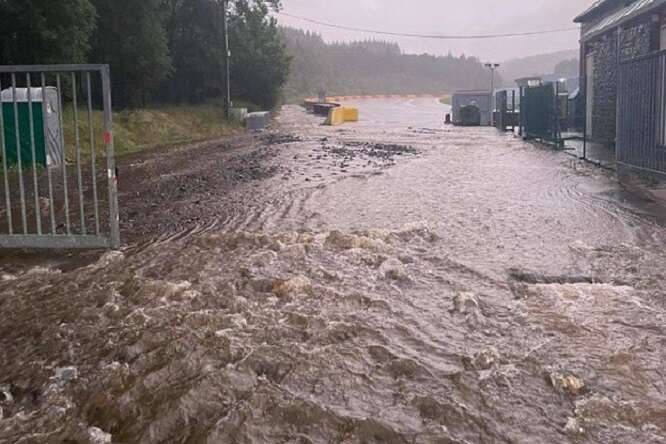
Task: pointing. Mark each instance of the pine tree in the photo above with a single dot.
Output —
(259, 63)
(41, 32)
(130, 36)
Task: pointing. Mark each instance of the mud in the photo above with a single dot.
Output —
(372, 283)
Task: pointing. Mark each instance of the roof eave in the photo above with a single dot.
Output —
(596, 33)
(584, 17)
(591, 12)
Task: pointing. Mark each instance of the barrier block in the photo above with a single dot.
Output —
(350, 114)
(239, 114)
(309, 104)
(322, 109)
(340, 115)
(336, 116)
(258, 121)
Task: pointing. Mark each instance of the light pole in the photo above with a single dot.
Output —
(492, 67)
(227, 57)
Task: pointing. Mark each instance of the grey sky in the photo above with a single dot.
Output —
(448, 17)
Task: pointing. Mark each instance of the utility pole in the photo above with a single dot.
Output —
(227, 59)
(492, 67)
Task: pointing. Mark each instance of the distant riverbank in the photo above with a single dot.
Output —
(446, 100)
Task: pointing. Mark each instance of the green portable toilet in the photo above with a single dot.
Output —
(47, 130)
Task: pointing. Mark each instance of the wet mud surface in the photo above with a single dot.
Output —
(393, 281)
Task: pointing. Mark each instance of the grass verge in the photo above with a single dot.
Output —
(446, 100)
(139, 129)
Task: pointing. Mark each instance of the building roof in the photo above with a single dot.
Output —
(623, 15)
(596, 6)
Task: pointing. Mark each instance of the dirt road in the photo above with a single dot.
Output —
(392, 281)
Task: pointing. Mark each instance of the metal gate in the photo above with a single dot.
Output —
(641, 120)
(539, 115)
(505, 113)
(59, 181)
(501, 110)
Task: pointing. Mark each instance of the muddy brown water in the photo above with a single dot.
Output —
(391, 281)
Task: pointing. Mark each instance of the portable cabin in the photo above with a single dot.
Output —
(529, 82)
(46, 125)
(471, 108)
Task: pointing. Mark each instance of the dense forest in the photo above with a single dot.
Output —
(159, 50)
(373, 67)
(171, 51)
(561, 64)
(567, 68)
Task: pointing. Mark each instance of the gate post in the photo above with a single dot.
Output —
(114, 216)
(513, 111)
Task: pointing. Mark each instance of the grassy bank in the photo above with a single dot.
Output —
(446, 100)
(139, 129)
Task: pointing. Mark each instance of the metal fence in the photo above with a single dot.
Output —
(59, 181)
(641, 120)
(539, 113)
(506, 116)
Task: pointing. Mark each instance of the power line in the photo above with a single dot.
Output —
(427, 36)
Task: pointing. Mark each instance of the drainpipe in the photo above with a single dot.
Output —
(585, 111)
(617, 85)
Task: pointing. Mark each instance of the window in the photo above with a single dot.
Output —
(662, 44)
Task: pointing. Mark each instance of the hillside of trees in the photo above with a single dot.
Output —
(373, 67)
(171, 51)
(567, 68)
(159, 50)
(562, 63)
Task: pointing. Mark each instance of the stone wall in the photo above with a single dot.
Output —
(633, 41)
(605, 87)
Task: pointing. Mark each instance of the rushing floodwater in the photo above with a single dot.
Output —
(403, 282)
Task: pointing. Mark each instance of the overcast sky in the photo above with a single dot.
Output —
(448, 17)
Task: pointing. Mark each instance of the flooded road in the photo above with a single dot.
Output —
(391, 281)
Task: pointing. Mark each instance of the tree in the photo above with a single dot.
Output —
(171, 50)
(259, 63)
(567, 68)
(194, 38)
(131, 38)
(195, 41)
(373, 67)
(39, 32)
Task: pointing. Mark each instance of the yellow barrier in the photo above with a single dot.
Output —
(340, 115)
(336, 116)
(350, 114)
(379, 96)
